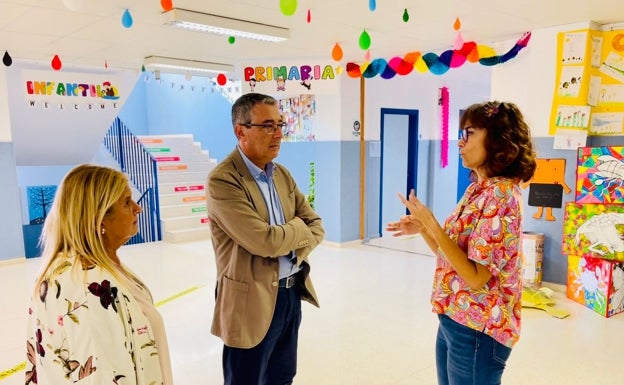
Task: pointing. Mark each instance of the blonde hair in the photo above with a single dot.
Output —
(73, 228)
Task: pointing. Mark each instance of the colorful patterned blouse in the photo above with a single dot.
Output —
(85, 327)
(487, 224)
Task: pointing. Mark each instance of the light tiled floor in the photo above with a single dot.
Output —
(374, 326)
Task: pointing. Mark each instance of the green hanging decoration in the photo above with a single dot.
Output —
(405, 16)
(231, 39)
(365, 40)
(288, 7)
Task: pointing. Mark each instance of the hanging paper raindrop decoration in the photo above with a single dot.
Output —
(365, 40)
(231, 40)
(221, 79)
(288, 7)
(166, 5)
(367, 56)
(337, 52)
(309, 18)
(143, 68)
(126, 19)
(339, 70)
(72, 5)
(459, 41)
(372, 5)
(405, 16)
(105, 63)
(6, 59)
(56, 63)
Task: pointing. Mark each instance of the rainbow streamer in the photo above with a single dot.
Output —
(444, 98)
(436, 64)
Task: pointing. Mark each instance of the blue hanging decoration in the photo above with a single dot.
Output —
(372, 5)
(126, 19)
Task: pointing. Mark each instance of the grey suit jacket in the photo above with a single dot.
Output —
(246, 248)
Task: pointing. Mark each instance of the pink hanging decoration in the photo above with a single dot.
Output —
(444, 101)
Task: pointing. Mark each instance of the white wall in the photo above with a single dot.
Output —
(419, 91)
(44, 136)
(529, 79)
(5, 120)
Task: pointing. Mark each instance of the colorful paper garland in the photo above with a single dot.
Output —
(436, 64)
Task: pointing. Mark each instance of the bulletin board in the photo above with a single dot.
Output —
(588, 98)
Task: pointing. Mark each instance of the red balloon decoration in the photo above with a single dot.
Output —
(166, 5)
(56, 63)
(221, 79)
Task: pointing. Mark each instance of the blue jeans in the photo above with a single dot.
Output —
(274, 360)
(465, 356)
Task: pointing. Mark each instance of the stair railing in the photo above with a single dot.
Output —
(142, 171)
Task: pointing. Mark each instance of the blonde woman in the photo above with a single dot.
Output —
(91, 320)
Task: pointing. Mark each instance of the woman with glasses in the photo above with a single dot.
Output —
(477, 284)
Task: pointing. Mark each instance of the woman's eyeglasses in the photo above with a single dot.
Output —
(465, 133)
(268, 128)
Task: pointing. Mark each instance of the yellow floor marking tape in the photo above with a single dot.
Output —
(21, 366)
(12, 371)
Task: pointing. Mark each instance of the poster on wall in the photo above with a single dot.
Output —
(39, 202)
(299, 114)
(589, 92)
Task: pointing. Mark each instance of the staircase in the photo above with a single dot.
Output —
(182, 171)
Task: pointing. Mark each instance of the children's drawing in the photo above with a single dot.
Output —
(600, 175)
(594, 230)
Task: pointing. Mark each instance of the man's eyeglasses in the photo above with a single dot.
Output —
(268, 128)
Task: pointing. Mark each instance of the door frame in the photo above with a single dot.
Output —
(412, 153)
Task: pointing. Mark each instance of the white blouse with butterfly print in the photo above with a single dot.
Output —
(85, 327)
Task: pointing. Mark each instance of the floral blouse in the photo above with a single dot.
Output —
(84, 327)
(487, 224)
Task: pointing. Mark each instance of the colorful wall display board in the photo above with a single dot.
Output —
(298, 112)
(600, 175)
(589, 92)
(597, 284)
(594, 230)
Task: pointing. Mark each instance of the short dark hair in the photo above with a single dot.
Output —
(508, 141)
(241, 109)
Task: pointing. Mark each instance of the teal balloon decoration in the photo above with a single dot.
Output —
(126, 19)
(231, 39)
(365, 40)
(288, 7)
(405, 16)
(372, 5)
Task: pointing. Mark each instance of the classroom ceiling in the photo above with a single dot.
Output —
(94, 35)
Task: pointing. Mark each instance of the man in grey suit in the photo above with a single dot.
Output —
(263, 230)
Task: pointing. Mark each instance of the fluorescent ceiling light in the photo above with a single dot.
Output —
(184, 66)
(204, 22)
